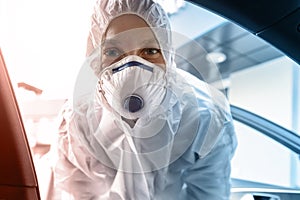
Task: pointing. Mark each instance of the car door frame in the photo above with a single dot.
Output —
(278, 133)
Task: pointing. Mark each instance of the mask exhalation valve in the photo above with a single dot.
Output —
(133, 103)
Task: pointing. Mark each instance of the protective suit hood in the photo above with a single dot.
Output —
(151, 12)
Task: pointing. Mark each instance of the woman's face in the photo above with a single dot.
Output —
(130, 35)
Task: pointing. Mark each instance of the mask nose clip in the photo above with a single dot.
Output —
(133, 103)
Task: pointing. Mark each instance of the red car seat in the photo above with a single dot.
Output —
(18, 180)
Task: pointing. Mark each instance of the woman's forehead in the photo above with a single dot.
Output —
(116, 41)
(125, 22)
(128, 26)
(139, 37)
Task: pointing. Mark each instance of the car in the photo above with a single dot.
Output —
(249, 50)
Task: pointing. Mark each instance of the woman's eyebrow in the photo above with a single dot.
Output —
(110, 42)
(151, 41)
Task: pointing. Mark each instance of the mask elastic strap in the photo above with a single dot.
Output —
(132, 64)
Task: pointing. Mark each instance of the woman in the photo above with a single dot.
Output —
(145, 132)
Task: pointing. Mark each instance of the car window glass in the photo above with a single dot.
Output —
(255, 75)
(261, 159)
(271, 90)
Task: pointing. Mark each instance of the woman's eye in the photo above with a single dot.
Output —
(151, 51)
(112, 52)
(153, 55)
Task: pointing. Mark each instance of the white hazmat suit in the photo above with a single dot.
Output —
(175, 141)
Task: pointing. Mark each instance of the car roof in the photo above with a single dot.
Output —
(277, 22)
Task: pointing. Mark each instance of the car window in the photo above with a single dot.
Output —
(255, 75)
(261, 159)
(261, 79)
(270, 89)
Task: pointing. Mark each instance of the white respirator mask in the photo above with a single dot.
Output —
(133, 87)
